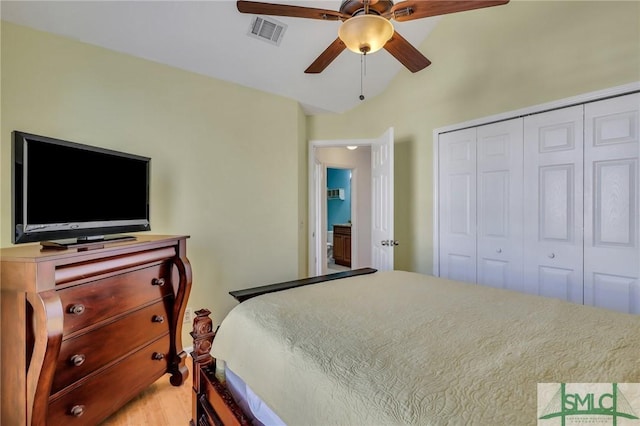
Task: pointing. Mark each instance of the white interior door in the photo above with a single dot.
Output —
(499, 204)
(612, 185)
(457, 206)
(553, 199)
(382, 238)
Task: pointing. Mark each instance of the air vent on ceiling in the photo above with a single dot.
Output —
(268, 30)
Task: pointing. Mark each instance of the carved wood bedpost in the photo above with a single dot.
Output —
(202, 338)
(212, 403)
(202, 335)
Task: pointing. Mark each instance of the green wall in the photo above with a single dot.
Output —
(225, 159)
(229, 164)
(486, 62)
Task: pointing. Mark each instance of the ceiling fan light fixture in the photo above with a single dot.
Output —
(365, 33)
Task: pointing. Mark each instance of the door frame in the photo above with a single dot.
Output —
(317, 246)
(561, 103)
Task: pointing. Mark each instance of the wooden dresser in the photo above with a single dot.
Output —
(84, 331)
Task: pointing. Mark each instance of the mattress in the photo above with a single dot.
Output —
(400, 348)
(254, 407)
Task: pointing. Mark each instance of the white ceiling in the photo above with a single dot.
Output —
(210, 38)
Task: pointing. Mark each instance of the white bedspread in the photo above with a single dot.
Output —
(399, 348)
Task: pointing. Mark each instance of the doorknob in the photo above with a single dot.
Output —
(394, 242)
(384, 242)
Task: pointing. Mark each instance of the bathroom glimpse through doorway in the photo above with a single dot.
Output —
(339, 219)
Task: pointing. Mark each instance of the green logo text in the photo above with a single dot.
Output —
(565, 404)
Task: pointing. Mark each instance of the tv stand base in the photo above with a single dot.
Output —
(87, 243)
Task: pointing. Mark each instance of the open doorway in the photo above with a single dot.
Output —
(343, 208)
(372, 240)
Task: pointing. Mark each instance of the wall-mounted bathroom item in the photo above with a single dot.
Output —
(335, 193)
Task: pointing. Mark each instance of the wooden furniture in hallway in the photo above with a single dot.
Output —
(342, 245)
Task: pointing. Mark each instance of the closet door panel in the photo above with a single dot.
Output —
(553, 198)
(612, 184)
(499, 204)
(457, 206)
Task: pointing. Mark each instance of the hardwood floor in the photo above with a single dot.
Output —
(162, 404)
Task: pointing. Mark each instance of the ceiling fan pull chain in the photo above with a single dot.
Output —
(365, 63)
(363, 60)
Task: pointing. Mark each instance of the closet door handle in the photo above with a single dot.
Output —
(552, 255)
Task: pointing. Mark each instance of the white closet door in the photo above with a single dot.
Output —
(499, 195)
(457, 207)
(612, 183)
(553, 214)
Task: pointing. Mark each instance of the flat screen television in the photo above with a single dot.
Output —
(68, 193)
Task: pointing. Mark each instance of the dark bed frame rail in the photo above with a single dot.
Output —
(212, 404)
(242, 295)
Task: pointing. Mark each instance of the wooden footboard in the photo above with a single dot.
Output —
(212, 404)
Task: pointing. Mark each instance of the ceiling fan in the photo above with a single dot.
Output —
(367, 26)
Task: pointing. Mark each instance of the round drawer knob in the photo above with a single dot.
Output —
(552, 255)
(158, 356)
(158, 318)
(77, 410)
(77, 359)
(158, 281)
(499, 250)
(77, 309)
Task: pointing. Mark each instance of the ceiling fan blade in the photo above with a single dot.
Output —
(326, 57)
(404, 52)
(259, 8)
(416, 9)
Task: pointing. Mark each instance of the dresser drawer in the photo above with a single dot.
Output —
(107, 391)
(86, 353)
(89, 303)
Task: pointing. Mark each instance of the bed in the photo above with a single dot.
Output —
(399, 348)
